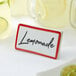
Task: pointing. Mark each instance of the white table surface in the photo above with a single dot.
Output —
(17, 63)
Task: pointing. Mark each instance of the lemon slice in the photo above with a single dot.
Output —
(2, 1)
(3, 25)
(69, 71)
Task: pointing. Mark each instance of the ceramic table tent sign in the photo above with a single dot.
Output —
(38, 41)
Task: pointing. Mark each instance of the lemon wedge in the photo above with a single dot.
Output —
(3, 25)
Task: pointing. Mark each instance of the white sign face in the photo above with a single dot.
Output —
(39, 41)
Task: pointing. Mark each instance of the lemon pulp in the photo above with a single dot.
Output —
(72, 73)
(69, 71)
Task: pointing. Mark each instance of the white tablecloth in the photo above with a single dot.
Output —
(17, 63)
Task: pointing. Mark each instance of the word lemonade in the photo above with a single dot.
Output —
(36, 42)
(4, 19)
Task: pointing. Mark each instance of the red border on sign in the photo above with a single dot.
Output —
(59, 38)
